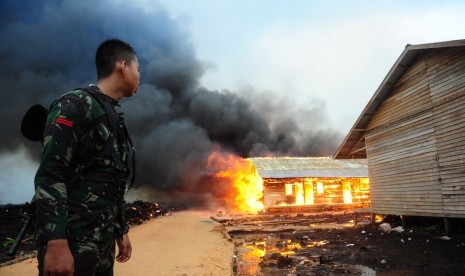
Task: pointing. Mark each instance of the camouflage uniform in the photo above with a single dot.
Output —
(90, 212)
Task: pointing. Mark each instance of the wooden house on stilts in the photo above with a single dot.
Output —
(412, 133)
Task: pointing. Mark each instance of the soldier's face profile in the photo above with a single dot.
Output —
(133, 76)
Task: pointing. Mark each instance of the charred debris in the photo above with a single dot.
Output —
(331, 243)
(12, 218)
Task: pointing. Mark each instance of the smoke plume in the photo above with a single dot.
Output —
(48, 48)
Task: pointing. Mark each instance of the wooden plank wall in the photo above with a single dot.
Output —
(401, 150)
(446, 75)
(416, 140)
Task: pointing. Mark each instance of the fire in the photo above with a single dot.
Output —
(317, 191)
(256, 252)
(248, 185)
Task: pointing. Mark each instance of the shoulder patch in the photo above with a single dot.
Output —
(64, 122)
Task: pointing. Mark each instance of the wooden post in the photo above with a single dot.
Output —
(404, 220)
(446, 226)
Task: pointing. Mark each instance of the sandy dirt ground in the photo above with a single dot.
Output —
(184, 243)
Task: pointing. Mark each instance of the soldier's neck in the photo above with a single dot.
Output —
(109, 88)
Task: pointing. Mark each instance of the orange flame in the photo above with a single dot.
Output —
(241, 173)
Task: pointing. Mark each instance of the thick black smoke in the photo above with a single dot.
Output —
(48, 48)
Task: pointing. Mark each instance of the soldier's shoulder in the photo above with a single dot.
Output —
(82, 95)
(80, 101)
(78, 94)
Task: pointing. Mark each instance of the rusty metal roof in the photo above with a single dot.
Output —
(291, 167)
(353, 145)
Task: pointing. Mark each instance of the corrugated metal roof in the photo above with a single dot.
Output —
(353, 145)
(291, 167)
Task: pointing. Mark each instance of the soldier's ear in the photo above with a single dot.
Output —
(121, 67)
(124, 67)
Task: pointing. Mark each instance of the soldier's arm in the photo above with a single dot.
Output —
(124, 248)
(65, 120)
(58, 260)
(122, 219)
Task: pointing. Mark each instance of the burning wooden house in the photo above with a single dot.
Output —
(315, 183)
(412, 133)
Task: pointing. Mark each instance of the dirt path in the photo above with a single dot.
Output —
(185, 243)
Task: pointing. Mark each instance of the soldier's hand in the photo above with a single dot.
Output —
(124, 248)
(58, 259)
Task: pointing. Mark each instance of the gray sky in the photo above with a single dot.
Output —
(334, 53)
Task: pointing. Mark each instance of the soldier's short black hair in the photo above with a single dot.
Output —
(109, 53)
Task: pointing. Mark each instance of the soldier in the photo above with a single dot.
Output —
(81, 181)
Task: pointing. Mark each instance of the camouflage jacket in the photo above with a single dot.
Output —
(92, 207)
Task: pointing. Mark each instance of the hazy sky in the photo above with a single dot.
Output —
(333, 53)
(328, 57)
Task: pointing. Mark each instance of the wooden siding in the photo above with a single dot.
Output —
(446, 74)
(416, 140)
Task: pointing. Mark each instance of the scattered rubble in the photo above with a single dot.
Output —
(331, 244)
(140, 211)
(13, 217)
